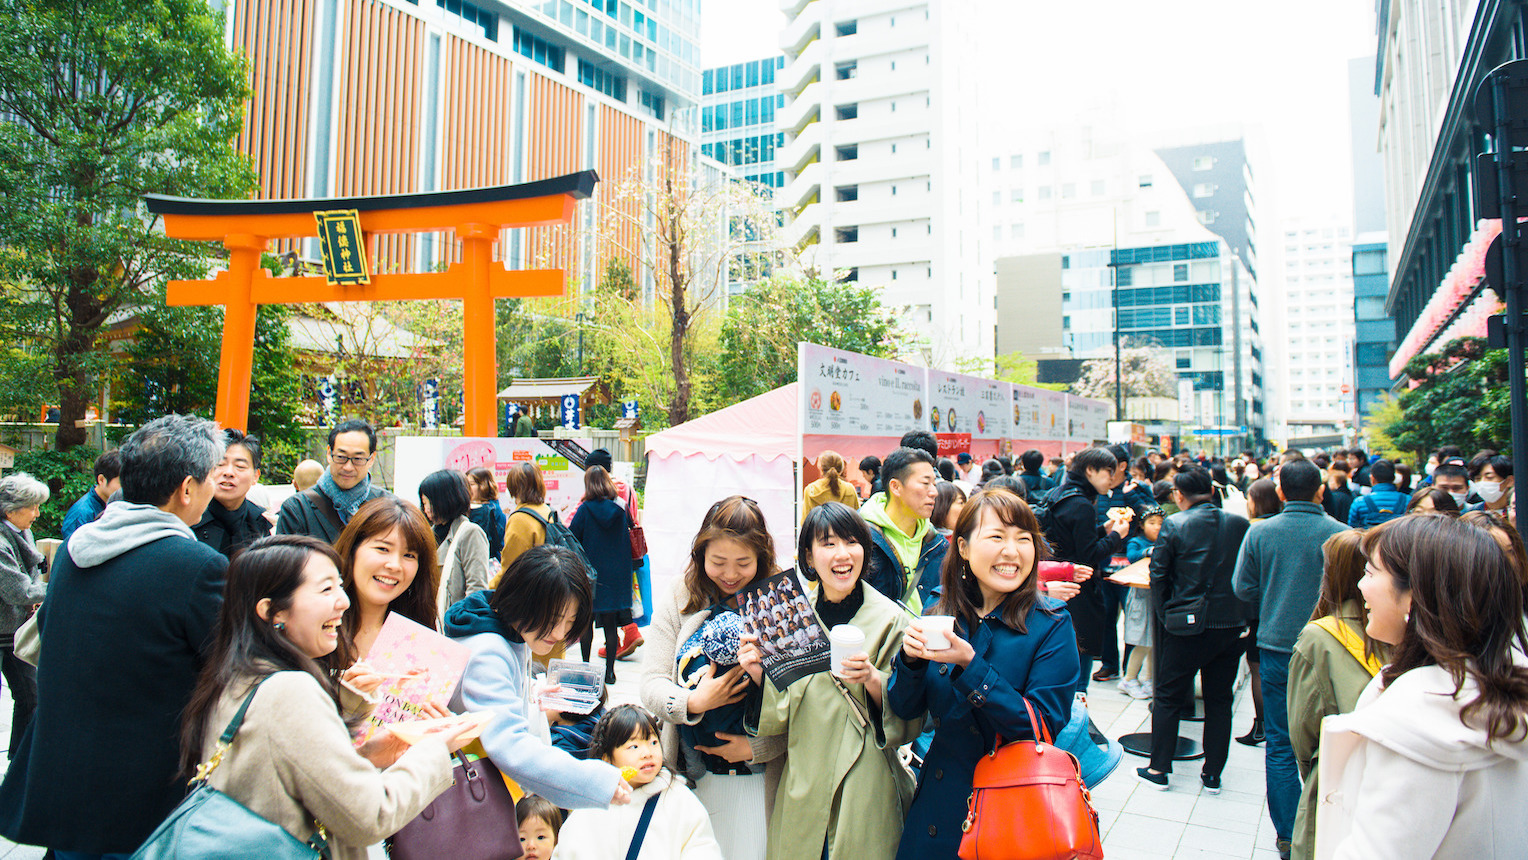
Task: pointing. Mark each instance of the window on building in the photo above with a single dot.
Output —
(1044, 158)
(846, 235)
(482, 18)
(1015, 161)
(846, 71)
(1206, 216)
(852, 275)
(997, 198)
(1068, 190)
(893, 274)
(539, 50)
(1145, 180)
(1367, 308)
(1372, 355)
(1043, 192)
(607, 82)
(1180, 272)
(1204, 189)
(1123, 275)
(850, 111)
(1153, 219)
(1184, 362)
(1016, 231)
(1016, 195)
(997, 164)
(846, 193)
(1204, 162)
(1100, 188)
(846, 28)
(653, 102)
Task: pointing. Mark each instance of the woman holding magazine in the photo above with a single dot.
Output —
(841, 741)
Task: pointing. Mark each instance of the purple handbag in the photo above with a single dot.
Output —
(474, 819)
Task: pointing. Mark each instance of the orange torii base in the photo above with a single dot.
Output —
(476, 215)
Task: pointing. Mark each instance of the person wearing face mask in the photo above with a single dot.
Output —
(543, 600)
(1491, 480)
(844, 791)
(292, 761)
(1453, 478)
(906, 550)
(233, 522)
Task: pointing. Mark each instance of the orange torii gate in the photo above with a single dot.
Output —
(476, 215)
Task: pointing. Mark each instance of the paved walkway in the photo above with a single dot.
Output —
(1138, 822)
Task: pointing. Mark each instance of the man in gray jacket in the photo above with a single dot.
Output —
(1279, 575)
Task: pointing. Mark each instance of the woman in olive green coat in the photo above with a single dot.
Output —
(841, 743)
(1333, 661)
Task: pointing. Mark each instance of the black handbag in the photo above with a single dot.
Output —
(1186, 619)
(210, 825)
(474, 819)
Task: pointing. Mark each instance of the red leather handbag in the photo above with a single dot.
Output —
(1028, 803)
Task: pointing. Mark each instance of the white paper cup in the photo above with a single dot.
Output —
(934, 628)
(845, 641)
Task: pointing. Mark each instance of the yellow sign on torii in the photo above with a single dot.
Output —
(245, 227)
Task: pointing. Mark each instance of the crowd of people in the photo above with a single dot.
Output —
(1382, 624)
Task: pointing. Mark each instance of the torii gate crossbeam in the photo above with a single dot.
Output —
(476, 216)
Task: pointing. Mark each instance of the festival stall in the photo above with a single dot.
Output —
(747, 449)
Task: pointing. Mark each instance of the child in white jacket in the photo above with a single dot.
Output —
(679, 828)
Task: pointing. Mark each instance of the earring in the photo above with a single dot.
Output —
(280, 625)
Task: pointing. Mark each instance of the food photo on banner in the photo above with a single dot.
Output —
(791, 639)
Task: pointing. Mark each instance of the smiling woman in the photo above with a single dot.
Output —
(387, 557)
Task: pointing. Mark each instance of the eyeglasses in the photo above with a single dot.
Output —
(344, 460)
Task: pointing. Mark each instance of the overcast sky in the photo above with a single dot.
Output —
(1281, 69)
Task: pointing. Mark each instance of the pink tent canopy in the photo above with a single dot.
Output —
(763, 427)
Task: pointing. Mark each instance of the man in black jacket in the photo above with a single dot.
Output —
(1200, 621)
(323, 511)
(128, 619)
(1074, 535)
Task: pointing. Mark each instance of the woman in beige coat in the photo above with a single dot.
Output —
(844, 792)
(292, 761)
(737, 778)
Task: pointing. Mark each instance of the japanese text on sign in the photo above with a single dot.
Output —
(340, 238)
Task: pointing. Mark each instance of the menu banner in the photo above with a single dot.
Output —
(848, 394)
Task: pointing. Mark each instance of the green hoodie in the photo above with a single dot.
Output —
(908, 548)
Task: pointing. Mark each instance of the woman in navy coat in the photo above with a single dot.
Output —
(1010, 643)
(603, 528)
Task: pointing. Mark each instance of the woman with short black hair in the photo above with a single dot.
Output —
(446, 501)
(542, 602)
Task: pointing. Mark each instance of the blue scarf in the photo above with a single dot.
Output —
(346, 502)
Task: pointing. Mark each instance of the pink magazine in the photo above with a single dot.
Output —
(404, 647)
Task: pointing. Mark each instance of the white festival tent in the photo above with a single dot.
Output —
(747, 449)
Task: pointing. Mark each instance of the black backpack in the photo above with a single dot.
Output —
(558, 534)
(1045, 511)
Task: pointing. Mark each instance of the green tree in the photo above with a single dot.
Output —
(104, 101)
(1383, 413)
(1460, 399)
(172, 366)
(764, 323)
(1016, 367)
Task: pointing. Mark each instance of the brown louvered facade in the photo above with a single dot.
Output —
(377, 136)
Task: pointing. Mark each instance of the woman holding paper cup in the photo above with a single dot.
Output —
(1003, 643)
(841, 741)
(292, 761)
(736, 779)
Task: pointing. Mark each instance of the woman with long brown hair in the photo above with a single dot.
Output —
(292, 761)
(1334, 659)
(736, 778)
(1009, 644)
(1433, 760)
(387, 564)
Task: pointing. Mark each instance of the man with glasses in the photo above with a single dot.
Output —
(323, 511)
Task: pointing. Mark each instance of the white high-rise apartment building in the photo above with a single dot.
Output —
(1317, 390)
(881, 161)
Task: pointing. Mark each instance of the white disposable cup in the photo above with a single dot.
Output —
(934, 628)
(844, 641)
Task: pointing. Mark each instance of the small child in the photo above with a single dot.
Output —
(539, 821)
(715, 644)
(1137, 627)
(679, 827)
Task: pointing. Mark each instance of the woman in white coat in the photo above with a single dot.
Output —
(1433, 761)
